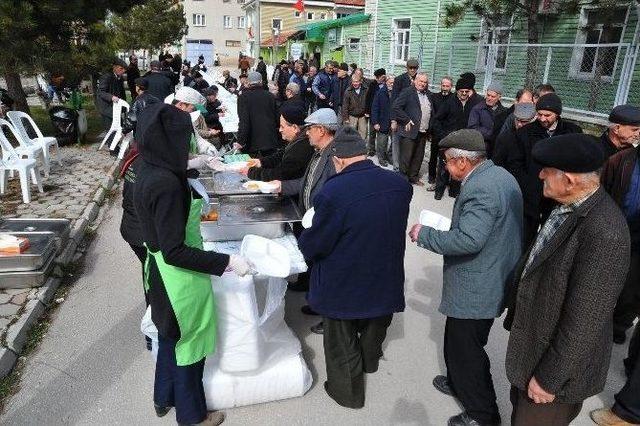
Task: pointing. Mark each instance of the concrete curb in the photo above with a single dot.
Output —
(18, 332)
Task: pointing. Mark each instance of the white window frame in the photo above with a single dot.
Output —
(199, 20)
(227, 22)
(404, 56)
(310, 16)
(273, 23)
(484, 46)
(241, 22)
(581, 37)
(353, 44)
(332, 35)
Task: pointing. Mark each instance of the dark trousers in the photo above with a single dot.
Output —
(411, 155)
(106, 121)
(352, 348)
(433, 160)
(627, 405)
(528, 413)
(469, 369)
(179, 387)
(371, 140)
(628, 305)
(443, 180)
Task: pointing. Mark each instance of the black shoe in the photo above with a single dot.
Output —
(318, 328)
(306, 309)
(161, 411)
(438, 195)
(453, 194)
(463, 419)
(148, 343)
(298, 286)
(619, 338)
(442, 384)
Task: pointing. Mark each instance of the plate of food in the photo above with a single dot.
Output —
(252, 185)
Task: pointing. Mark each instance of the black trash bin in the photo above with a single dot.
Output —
(65, 122)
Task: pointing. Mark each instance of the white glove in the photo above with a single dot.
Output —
(239, 265)
(198, 162)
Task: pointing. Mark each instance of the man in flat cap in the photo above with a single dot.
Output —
(623, 131)
(520, 162)
(482, 116)
(160, 84)
(357, 245)
(566, 286)
(110, 91)
(523, 114)
(481, 250)
(378, 82)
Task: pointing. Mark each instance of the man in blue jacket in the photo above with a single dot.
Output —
(357, 244)
(381, 120)
(322, 86)
(481, 250)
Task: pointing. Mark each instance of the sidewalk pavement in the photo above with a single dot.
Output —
(74, 190)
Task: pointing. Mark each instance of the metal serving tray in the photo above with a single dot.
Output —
(41, 248)
(226, 183)
(26, 279)
(237, 210)
(60, 227)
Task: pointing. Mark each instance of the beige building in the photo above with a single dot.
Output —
(215, 27)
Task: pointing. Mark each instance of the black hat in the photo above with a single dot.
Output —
(626, 115)
(142, 83)
(293, 113)
(550, 102)
(469, 76)
(464, 83)
(380, 72)
(344, 66)
(118, 61)
(348, 143)
(573, 153)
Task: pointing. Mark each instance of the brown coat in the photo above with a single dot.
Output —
(561, 324)
(617, 172)
(354, 104)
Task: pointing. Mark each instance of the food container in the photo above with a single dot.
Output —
(225, 183)
(41, 248)
(59, 227)
(26, 279)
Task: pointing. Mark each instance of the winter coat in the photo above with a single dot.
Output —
(381, 110)
(407, 108)
(287, 163)
(452, 115)
(354, 104)
(160, 85)
(109, 85)
(258, 120)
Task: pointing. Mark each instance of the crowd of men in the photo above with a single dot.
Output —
(546, 226)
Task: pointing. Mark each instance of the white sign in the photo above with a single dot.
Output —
(296, 51)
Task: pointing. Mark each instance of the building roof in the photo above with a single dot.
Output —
(359, 3)
(281, 39)
(316, 30)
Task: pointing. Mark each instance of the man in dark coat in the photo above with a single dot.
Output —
(482, 116)
(322, 86)
(341, 83)
(452, 115)
(228, 80)
(283, 79)
(381, 120)
(566, 287)
(439, 98)
(380, 76)
(621, 179)
(160, 84)
(291, 161)
(261, 67)
(623, 131)
(110, 90)
(133, 72)
(414, 113)
(405, 79)
(360, 218)
(520, 162)
(258, 120)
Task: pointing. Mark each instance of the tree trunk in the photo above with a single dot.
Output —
(531, 78)
(14, 87)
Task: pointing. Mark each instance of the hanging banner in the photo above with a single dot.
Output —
(296, 51)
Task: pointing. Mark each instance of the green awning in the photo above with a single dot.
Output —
(316, 30)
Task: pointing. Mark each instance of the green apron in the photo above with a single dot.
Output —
(191, 297)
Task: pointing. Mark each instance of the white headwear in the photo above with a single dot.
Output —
(189, 96)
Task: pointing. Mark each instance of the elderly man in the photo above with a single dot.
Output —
(160, 84)
(406, 79)
(523, 114)
(354, 106)
(623, 131)
(481, 250)
(381, 120)
(621, 179)
(505, 122)
(229, 81)
(341, 83)
(258, 120)
(110, 91)
(298, 76)
(380, 76)
(439, 98)
(520, 162)
(292, 94)
(323, 86)
(413, 111)
(309, 96)
(566, 287)
(482, 116)
(360, 218)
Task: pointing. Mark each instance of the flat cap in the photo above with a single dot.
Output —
(550, 102)
(467, 139)
(496, 86)
(524, 111)
(628, 115)
(573, 153)
(254, 77)
(413, 63)
(120, 62)
(325, 117)
(379, 72)
(348, 143)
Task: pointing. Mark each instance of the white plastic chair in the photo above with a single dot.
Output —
(10, 162)
(116, 125)
(23, 150)
(19, 118)
(126, 141)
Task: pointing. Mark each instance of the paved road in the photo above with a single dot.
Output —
(91, 368)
